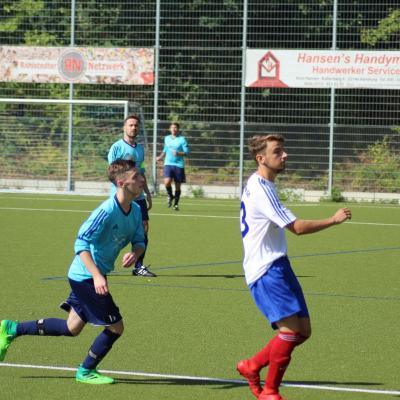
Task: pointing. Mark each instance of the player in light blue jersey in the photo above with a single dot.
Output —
(110, 227)
(128, 149)
(175, 149)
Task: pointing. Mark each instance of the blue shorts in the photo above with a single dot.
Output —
(278, 293)
(143, 208)
(90, 306)
(175, 173)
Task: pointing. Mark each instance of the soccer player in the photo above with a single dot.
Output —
(128, 149)
(271, 280)
(110, 227)
(175, 149)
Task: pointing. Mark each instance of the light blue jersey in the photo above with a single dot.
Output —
(175, 143)
(123, 150)
(104, 234)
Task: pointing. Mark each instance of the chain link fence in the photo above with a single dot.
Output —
(199, 49)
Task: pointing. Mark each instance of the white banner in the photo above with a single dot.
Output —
(98, 65)
(323, 69)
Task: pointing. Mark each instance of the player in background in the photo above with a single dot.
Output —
(272, 283)
(175, 149)
(128, 149)
(110, 227)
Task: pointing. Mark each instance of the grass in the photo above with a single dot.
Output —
(197, 317)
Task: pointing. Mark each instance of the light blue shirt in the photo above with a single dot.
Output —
(171, 144)
(104, 234)
(124, 150)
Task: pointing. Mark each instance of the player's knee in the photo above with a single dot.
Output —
(118, 329)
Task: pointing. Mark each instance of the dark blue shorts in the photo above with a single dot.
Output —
(278, 293)
(90, 306)
(143, 208)
(175, 173)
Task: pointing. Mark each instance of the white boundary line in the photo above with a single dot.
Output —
(173, 215)
(206, 379)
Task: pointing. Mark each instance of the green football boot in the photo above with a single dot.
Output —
(8, 332)
(92, 377)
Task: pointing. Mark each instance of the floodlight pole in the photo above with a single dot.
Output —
(243, 95)
(332, 109)
(71, 106)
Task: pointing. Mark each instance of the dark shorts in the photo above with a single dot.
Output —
(90, 306)
(143, 208)
(175, 173)
(278, 293)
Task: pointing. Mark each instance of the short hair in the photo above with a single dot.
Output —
(118, 168)
(258, 143)
(132, 116)
(176, 124)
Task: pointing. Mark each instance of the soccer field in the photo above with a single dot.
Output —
(186, 329)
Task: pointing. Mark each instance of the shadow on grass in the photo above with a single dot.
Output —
(203, 382)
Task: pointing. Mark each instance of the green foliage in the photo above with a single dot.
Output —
(387, 27)
(197, 193)
(336, 196)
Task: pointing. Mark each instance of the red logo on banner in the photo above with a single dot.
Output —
(71, 65)
(268, 72)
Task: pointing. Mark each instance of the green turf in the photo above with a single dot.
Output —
(197, 317)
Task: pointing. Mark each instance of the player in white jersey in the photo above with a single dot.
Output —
(271, 280)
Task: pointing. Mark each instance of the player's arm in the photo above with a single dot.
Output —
(302, 226)
(148, 194)
(185, 148)
(100, 282)
(90, 230)
(161, 156)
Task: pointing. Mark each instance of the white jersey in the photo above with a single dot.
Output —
(263, 218)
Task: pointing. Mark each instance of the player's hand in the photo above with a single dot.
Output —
(100, 284)
(128, 259)
(342, 215)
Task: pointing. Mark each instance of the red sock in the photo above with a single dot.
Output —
(261, 359)
(279, 358)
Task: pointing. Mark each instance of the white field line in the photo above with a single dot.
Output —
(202, 203)
(205, 379)
(175, 215)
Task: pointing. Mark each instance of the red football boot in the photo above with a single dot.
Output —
(253, 378)
(275, 396)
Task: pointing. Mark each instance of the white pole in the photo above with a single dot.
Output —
(332, 109)
(71, 107)
(156, 88)
(243, 95)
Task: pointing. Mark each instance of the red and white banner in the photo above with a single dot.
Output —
(323, 69)
(124, 66)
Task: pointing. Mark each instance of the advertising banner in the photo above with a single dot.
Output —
(323, 69)
(118, 66)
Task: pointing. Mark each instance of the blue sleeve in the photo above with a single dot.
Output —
(90, 230)
(185, 147)
(113, 154)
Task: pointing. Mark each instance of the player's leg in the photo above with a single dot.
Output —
(293, 331)
(177, 195)
(290, 315)
(179, 179)
(168, 184)
(99, 310)
(140, 269)
(9, 330)
(87, 371)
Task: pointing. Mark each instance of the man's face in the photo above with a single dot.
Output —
(131, 129)
(134, 182)
(173, 129)
(274, 156)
